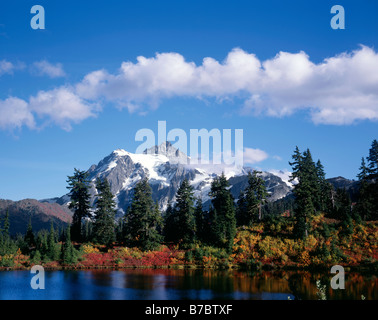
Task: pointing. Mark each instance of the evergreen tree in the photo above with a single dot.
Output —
(79, 185)
(306, 191)
(170, 222)
(252, 199)
(373, 161)
(257, 183)
(87, 233)
(104, 221)
(343, 205)
(364, 171)
(6, 243)
(184, 211)
(67, 252)
(367, 205)
(6, 226)
(29, 236)
(158, 218)
(279, 207)
(325, 189)
(224, 226)
(241, 210)
(199, 220)
(52, 251)
(310, 173)
(42, 245)
(142, 222)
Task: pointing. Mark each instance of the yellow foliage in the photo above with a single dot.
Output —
(311, 242)
(304, 258)
(89, 249)
(272, 247)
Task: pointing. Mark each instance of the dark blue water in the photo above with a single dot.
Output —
(157, 284)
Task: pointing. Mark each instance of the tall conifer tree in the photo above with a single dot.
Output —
(184, 211)
(224, 225)
(78, 184)
(142, 222)
(104, 220)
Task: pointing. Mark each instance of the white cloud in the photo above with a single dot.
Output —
(339, 90)
(46, 68)
(6, 67)
(62, 107)
(168, 75)
(252, 156)
(14, 113)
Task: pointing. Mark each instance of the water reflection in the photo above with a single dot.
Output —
(167, 284)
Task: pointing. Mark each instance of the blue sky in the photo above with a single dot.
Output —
(275, 69)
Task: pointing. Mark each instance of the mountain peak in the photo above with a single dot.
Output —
(120, 152)
(174, 155)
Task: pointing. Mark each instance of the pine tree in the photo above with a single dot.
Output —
(199, 220)
(142, 222)
(170, 222)
(184, 209)
(257, 183)
(373, 161)
(310, 173)
(251, 202)
(224, 226)
(343, 205)
(29, 236)
(325, 189)
(306, 191)
(6, 226)
(42, 245)
(104, 220)
(87, 233)
(367, 206)
(52, 252)
(364, 171)
(78, 184)
(5, 239)
(67, 251)
(252, 199)
(158, 218)
(241, 210)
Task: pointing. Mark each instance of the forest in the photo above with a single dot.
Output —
(315, 227)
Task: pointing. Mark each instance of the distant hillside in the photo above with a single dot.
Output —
(351, 186)
(41, 215)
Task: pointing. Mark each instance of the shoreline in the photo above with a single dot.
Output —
(370, 268)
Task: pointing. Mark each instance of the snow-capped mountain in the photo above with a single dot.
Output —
(165, 167)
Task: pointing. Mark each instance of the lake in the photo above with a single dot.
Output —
(168, 284)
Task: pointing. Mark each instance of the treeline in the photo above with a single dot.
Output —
(186, 223)
(45, 245)
(314, 195)
(144, 225)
